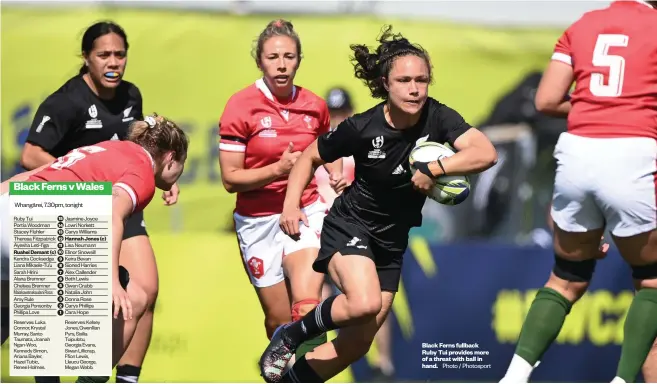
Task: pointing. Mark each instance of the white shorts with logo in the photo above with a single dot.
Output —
(263, 244)
(5, 233)
(605, 182)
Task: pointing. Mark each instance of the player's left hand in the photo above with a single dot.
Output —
(170, 197)
(422, 182)
(337, 182)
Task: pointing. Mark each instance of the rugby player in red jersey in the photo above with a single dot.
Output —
(606, 176)
(263, 128)
(152, 156)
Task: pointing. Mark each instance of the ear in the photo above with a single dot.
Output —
(385, 83)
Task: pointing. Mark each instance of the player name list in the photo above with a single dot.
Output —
(61, 269)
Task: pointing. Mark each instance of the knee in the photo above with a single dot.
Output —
(273, 322)
(571, 278)
(151, 298)
(645, 276)
(302, 307)
(363, 306)
(138, 300)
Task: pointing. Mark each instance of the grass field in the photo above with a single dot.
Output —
(208, 325)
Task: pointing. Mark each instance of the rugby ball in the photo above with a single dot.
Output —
(449, 190)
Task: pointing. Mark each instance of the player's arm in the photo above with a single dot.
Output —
(336, 167)
(51, 122)
(328, 148)
(23, 176)
(234, 135)
(237, 179)
(552, 93)
(475, 153)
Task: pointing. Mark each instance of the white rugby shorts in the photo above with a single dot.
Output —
(5, 233)
(263, 244)
(605, 181)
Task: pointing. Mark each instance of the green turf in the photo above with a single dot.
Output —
(208, 324)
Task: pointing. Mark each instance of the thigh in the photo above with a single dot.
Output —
(135, 225)
(299, 256)
(638, 250)
(628, 198)
(339, 236)
(574, 207)
(275, 302)
(137, 256)
(261, 247)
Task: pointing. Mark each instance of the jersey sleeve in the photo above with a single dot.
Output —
(452, 125)
(562, 50)
(53, 119)
(139, 107)
(139, 183)
(338, 143)
(233, 130)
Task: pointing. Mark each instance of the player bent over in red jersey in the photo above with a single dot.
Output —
(606, 176)
(153, 156)
(264, 127)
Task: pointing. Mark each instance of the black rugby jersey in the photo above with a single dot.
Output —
(73, 116)
(382, 199)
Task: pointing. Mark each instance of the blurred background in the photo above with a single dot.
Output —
(471, 271)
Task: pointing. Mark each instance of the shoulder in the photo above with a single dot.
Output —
(437, 109)
(246, 95)
(308, 96)
(68, 99)
(360, 121)
(131, 89)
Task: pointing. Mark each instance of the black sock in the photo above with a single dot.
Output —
(313, 324)
(46, 379)
(127, 374)
(301, 372)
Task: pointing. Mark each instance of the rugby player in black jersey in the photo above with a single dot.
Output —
(365, 235)
(94, 106)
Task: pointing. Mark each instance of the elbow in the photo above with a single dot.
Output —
(228, 186)
(27, 161)
(545, 105)
(489, 159)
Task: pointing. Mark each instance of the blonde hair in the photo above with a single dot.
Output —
(159, 135)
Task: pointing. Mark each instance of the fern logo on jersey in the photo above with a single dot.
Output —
(126, 115)
(42, 123)
(93, 123)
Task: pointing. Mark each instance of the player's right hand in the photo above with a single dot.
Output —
(121, 301)
(289, 222)
(602, 251)
(288, 158)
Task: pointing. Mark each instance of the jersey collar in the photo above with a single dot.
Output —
(644, 3)
(260, 84)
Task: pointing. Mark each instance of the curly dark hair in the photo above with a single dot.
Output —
(373, 67)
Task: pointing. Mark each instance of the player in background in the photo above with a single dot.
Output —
(606, 176)
(365, 235)
(340, 108)
(263, 128)
(94, 106)
(153, 156)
